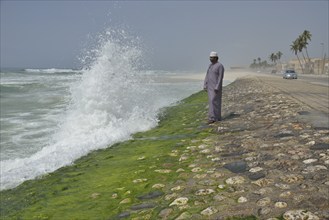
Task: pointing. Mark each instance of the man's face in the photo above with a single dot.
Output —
(213, 59)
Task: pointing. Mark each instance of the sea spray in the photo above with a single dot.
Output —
(109, 103)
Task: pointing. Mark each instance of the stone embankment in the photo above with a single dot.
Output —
(260, 161)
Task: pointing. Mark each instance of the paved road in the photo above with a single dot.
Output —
(311, 91)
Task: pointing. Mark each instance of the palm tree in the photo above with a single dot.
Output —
(295, 47)
(273, 58)
(279, 55)
(253, 65)
(259, 59)
(300, 41)
(306, 36)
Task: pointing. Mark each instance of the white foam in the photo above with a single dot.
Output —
(51, 70)
(109, 103)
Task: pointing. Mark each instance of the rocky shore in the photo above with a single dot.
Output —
(260, 162)
(263, 163)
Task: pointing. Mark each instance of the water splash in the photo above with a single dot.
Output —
(109, 103)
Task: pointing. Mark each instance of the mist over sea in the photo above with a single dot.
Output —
(51, 117)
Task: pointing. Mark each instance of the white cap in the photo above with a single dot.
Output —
(213, 54)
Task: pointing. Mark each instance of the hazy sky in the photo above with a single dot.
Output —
(177, 35)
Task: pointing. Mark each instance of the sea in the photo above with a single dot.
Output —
(50, 117)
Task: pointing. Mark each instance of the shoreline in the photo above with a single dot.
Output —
(259, 162)
(229, 75)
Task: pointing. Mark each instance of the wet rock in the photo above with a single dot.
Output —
(321, 202)
(263, 182)
(292, 178)
(177, 188)
(95, 195)
(202, 146)
(320, 146)
(311, 143)
(114, 196)
(143, 206)
(123, 215)
(308, 161)
(183, 216)
(170, 196)
(141, 158)
(158, 186)
(219, 198)
(139, 180)
(196, 170)
(234, 154)
(209, 211)
(264, 201)
(256, 176)
(285, 194)
(312, 169)
(248, 108)
(125, 201)
(151, 195)
(235, 180)
(200, 176)
(203, 192)
(238, 127)
(282, 186)
(283, 134)
(255, 169)
(320, 176)
(264, 191)
(217, 175)
(205, 151)
(280, 205)
(216, 159)
(209, 182)
(165, 213)
(237, 167)
(264, 211)
(183, 158)
(179, 201)
(242, 199)
(162, 171)
(303, 113)
(299, 214)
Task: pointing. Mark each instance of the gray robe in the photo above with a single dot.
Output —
(214, 81)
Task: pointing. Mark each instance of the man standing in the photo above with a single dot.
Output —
(213, 85)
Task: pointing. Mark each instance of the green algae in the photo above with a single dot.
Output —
(94, 186)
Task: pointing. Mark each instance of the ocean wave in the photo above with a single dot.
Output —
(52, 70)
(108, 104)
(111, 100)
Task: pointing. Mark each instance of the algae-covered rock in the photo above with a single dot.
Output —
(300, 215)
(235, 180)
(179, 201)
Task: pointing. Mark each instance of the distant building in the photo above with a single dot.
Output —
(317, 65)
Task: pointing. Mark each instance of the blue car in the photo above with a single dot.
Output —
(289, 74)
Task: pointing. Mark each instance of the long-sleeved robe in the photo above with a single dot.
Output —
(214, 81)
